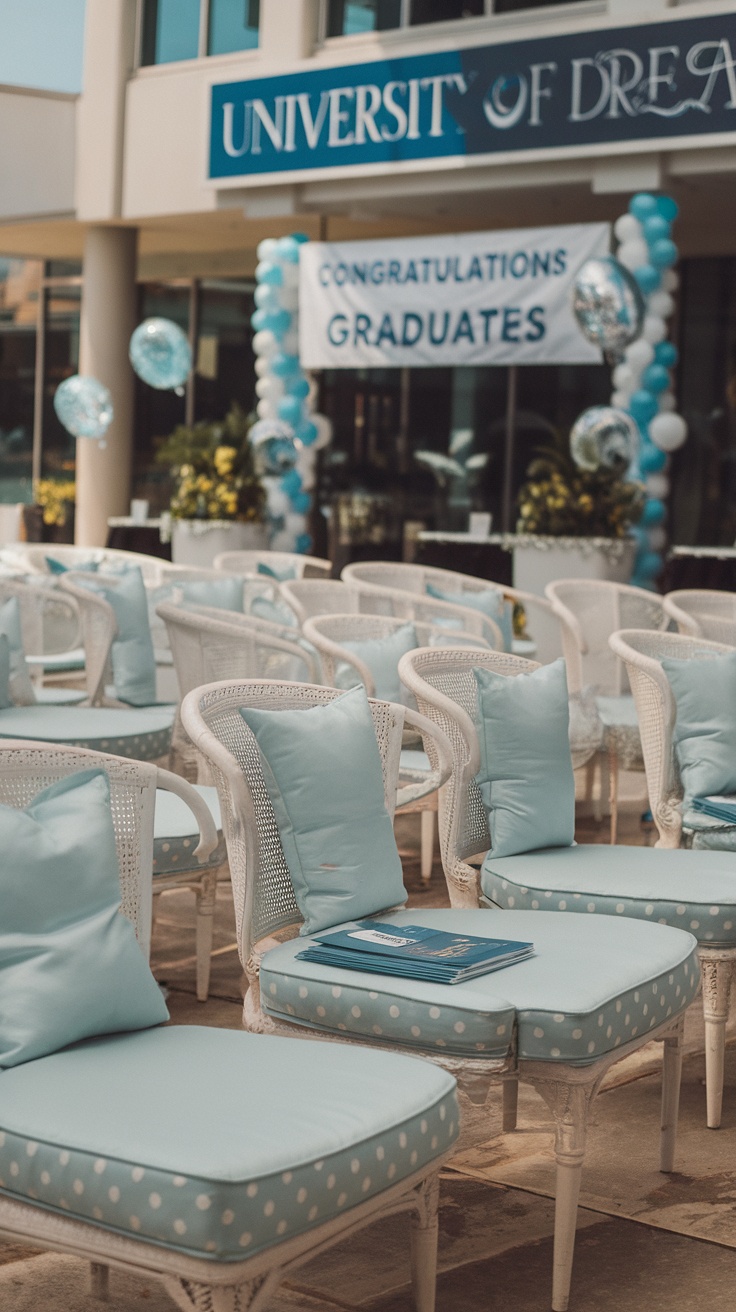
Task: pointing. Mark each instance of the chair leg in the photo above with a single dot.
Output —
(427, 839)
(99, 1281)
(249, 1296)
(671, 1078)
(155, 901)
(424, 1236)
(569, 1103)
(716, 970)
(206, 897)
(613, 795)
(510, 1091)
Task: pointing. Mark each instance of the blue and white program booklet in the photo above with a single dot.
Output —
(717, 808)
(415, 952)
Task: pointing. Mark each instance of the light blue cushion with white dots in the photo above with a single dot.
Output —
(238, 1163)
(590, 987)
(143, 734)
(176, 835)
(695, 891)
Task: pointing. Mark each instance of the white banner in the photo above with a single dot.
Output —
(468, 298)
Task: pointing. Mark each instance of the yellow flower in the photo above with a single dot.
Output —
(585, 502)
(224, 459)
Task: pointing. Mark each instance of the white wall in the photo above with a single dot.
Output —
(37, 148)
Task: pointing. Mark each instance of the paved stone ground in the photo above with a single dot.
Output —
(645, 1241)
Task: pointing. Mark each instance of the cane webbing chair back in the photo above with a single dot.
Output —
(209, 644)
(71, 557)
(308, 597)
(703, 613)
(642, 652)
(328, 633)
(247, 562)
(26, 769)
(590, 610)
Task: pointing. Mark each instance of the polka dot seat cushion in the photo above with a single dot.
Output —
(590, 988)
(285, 1137)
(689, 890)
(143, 734)
(175, 833)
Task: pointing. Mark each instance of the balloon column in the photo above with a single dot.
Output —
(283, 391)
(642, 381)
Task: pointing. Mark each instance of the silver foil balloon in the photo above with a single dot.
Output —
(160, 353)
(608, 304)
(275, 445)
(604, 438)
(84, 406)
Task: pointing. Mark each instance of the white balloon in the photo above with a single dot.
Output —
(264, 342)
(296, 524)
(324, 431)
(291, 275)
(639, 355)
(283, 541)
(270, 387)
(305, 467)
(266, 409)
(277, 500)
(262, 366)
(266, 249)
(670, 280)
(667, 402)
(289, 298)
(623, 378)
(657, 538)
(620, 400)
(660, 303)
(668, 431)
(633, 253)
(290, 343)
(654, 330)
(657, 486)
(628, 228)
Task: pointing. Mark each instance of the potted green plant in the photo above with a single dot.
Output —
(218, 499)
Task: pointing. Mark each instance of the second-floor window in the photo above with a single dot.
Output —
(188, 29)
(348, 17)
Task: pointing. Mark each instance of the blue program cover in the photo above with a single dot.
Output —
(717, 808)
(418, 943)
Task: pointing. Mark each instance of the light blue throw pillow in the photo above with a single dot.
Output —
(382, 656)
(225, 594)
(19, 683)
(322, 770)
(490, 602)
(5, 698)
(84, 566)
(281, 575)
(133, 658)
(526, 778)
(705, 727)
(70, 964)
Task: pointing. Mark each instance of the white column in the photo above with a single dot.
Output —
(108, 318)
(288, 29)
(109, 57)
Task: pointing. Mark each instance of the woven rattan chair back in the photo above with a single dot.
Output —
(328, 633)
(590, 610)
(308, 597)
(247, 562)
(703, 613)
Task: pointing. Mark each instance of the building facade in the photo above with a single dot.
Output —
(205, 126)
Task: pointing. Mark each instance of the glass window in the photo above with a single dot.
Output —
(61, 359)
(170, 31)
(443, 11)
(224, 369)
(348, 17)
(512, 6)
(157, 412)
(20, 281)
(233, 25)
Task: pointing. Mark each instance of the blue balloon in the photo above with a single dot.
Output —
(258, 320)
(642, 205)
(667, 206)
(301, 237)
(160, 353)
(651, 459)
(655, 378)
(307, 432)
(643, 406)
(640, 537)
(289, 409)
(301, 502)
(270, 273)
(655, 227)
(287, 250)
(667, 354)
(274, 446)
(283, 365)
(649, 564)
(648, 278)
(663, 253)
(84, 406)
(654, 513)
(277, 321)
(303, 544)
(292, 482)
(297, 386)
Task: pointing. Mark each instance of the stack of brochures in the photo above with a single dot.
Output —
(717, 808)
(415, 952)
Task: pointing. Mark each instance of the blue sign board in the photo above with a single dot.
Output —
(643, 83)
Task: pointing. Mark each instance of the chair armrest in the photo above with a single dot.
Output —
(208, 836)
(438, 741)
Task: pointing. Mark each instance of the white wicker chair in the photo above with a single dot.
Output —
(195, 1280)
(327, 633)
(307, 597)
(703, 613)
(444, 687)
(265, 907)
(247, 562)
(35, 558)
(50, 629)
(590, 610)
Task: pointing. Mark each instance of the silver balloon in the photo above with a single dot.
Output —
(84, 406)
(608, 304)
(160, 353)
(275, 445)
(604, 438)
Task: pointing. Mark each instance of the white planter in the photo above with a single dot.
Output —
(196, 542)
(540, 560)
